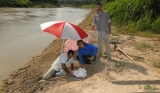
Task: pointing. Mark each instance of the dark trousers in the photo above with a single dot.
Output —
(85, 59)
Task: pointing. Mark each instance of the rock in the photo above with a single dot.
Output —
(156, 51)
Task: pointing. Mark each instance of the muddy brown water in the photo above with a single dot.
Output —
(21, 37)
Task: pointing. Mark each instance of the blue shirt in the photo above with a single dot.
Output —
(88, 50)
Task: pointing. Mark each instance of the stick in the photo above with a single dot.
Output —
(62, 46)
(125, 54)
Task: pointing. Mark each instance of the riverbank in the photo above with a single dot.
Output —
(26, 79)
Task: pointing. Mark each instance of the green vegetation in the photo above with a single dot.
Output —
(156, 63)
(115, 33)
(135, 15)
(142, 46)
(121, 64)
(149, 87)
(137, 58)
(131, 37)
(28, 3)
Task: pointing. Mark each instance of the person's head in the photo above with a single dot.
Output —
(98, 7)
(70, 53)
(81, 44)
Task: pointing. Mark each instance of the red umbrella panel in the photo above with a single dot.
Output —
(64, 30)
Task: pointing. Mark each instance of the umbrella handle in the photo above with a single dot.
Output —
(62, 46)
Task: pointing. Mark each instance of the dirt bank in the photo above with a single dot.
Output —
(100, 74)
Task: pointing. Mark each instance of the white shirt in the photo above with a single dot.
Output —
(57, 65)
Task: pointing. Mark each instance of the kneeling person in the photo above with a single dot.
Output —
(59, 67)
(86, 53)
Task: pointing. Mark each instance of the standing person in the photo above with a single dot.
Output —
(103, 22)
(86, 53)
(59, 67)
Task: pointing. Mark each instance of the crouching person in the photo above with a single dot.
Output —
(86, 53)
(59, 67)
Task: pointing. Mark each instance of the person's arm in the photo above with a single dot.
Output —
(94, 22)
(64, 67)
(109, 23)
(94, 49)
(109, 27)
(72, 66)
(80, 57)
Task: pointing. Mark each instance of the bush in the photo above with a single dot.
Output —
(156, 25)
(144, 24)
(143, 14)
(19, 3)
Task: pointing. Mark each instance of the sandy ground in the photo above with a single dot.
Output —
(101, 73)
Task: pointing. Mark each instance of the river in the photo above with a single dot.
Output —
(21, 37)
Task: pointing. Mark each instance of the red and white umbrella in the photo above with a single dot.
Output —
(64, 30)
(71, 44)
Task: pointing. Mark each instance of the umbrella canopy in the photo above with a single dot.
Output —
(71, 44)
(64, 30)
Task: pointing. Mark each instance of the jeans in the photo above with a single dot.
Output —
(105, 37)
(85, 59)
(51, 73)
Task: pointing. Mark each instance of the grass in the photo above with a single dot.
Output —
(149, 87)
(131, 37)
(90, 21)
(147, 34)
(137, 58)
(142, 46)
(156, 63)
(121, 64)
(115, 33)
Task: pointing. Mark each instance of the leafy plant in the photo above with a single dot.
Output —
(156, 25)
(156, 63)
(149, 87)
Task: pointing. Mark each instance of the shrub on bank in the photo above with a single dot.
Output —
(15, 3)
(28, 3)
(141, 14)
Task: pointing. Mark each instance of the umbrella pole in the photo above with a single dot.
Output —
(62, 46)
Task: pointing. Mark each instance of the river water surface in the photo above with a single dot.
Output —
(21, 37)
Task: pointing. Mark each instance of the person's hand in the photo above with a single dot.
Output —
(91, 58)
(109, 32)
(84, 66)
(70, 73)
(92, 28)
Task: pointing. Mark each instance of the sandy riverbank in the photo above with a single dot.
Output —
(26, 79)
